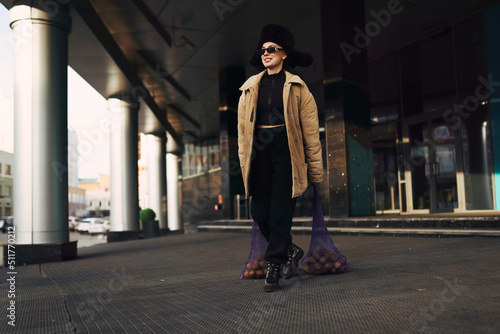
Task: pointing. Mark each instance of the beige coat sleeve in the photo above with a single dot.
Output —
(241, 123)
(310, 135)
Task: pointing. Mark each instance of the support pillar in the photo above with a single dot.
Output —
(157, 178)
(124, 171)
(173, 201)
(40, 134)
(230, 78)
(347, 112)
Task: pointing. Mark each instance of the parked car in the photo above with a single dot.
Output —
(99, 226)
(5, 223)
(73, 223)
(84, 225)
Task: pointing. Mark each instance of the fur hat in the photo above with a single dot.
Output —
(284, 38)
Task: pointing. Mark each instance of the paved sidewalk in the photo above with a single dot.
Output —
(190, 284)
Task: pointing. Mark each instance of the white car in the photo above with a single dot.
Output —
(99, 226)
(73, 223)
(85, 224)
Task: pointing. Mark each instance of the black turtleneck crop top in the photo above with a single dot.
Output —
(270, 100)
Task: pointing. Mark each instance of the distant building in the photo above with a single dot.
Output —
(6, 184)
(76, 195)
(143, 174)
(97, 195)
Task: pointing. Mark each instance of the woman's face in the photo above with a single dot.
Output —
(273, 61)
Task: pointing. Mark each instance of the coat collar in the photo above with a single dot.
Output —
(255, 79)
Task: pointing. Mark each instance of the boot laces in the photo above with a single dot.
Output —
(273, 270)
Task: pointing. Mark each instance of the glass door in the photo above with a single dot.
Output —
(417, 168)
(443, 167)
(429, 166)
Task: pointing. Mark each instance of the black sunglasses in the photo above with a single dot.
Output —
(270, 49)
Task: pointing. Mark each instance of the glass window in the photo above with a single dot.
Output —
(428, 74)
(216, 152)
(0, 169)
(197, 160)
(386, 177)
(204, 155)
(7, 170)
(384, 89)
(477, 159)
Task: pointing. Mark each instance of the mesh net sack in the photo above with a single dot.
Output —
(323, 257)
(256, 266)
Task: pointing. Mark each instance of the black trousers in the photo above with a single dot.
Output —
(271, 188)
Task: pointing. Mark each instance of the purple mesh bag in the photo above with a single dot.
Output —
(256, 266)
(323, 257)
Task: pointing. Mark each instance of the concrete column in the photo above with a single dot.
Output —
(40, 123)
(173, 202)
(347, 110)
(40, 134)
(230, 78)
(124, 171)
(157, 177)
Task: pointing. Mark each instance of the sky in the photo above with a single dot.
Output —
(86, 110)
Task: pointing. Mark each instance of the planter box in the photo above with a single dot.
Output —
(150, 229)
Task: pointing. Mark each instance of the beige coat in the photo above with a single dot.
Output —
(301, 119)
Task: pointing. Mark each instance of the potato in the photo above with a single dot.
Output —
(337, 264)
(249, 265)
(259, 273)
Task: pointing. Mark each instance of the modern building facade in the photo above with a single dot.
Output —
(97, 196)
(407, 95)
(76, 195)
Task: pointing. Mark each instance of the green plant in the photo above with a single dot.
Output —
(147, 215)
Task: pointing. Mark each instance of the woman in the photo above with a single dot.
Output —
(278, 145)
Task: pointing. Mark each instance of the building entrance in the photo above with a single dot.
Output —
(430, 166)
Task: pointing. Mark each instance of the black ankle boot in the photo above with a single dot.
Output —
(272, 277)
(294, 254)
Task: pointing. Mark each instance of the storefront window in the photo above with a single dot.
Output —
(477, 159)
(386, 177)
(200, 157)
